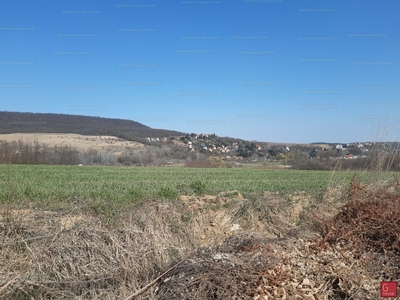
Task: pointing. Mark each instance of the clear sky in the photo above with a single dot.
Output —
(289, 71)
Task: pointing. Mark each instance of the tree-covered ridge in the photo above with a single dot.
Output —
(17, 122)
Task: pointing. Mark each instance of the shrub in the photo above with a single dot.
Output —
(370, 221)
(217, 161)
(199, 187)
(168, 193)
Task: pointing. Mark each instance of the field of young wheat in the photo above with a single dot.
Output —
(56, 184)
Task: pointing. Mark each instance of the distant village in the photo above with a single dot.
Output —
(227, 148)
(101, 141)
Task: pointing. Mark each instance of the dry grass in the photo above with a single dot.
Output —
(209, 247)
(40, 259)
(78, 141)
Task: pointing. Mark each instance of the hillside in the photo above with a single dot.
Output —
(122, 142)
(17, 122)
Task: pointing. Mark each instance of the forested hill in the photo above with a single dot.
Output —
(17, 122)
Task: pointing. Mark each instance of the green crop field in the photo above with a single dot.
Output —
(62, 183)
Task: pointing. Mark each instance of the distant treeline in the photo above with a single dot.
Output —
(20, 152)
(375, 161)
(16, 122)
(35, 153)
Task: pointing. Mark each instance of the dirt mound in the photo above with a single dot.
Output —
(223, 199)
(252, 266)
(357, 248)
(231, 270)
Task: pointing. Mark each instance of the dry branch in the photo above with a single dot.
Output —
(154, 281)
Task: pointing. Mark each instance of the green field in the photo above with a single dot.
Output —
(48, 184)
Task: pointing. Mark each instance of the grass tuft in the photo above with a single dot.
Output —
(199, 187)
(168, 193)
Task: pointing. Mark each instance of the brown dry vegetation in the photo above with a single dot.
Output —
(76, 141)
(337, 246)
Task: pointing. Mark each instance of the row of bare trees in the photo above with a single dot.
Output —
(20, 152)
(377, 160)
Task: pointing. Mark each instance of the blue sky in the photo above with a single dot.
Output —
(266, 70)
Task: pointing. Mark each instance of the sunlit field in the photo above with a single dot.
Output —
(69, 232)
(60, 183)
